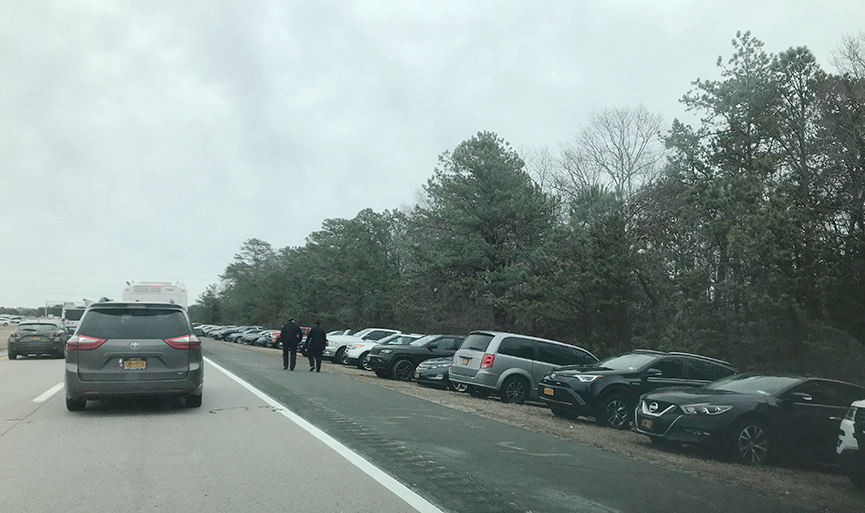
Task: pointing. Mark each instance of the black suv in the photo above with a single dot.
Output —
(399, 362)
(609, 390)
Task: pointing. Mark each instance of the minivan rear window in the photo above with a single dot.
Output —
(477, 342)
(134, 323)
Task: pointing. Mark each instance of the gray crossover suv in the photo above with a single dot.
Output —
(123, 349)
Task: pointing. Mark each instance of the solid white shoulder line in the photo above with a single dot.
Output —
(48, 393)
(400, 490)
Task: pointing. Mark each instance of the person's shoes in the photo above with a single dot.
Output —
(311, 369)
(285, 368)
(317, 370)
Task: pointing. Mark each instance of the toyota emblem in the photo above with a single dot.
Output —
(653, 407)
(135, 345)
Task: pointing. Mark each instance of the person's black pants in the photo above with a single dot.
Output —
(315, 361)
(289, 357)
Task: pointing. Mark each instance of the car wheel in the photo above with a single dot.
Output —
(13, 356)
(363, 362)
(458, 387)
(338, 357)
(403, 370)
(381, 374)
(480, 393)
(750, 442)
(76, 404)
(192, 401)
(514, 390)
(565, 414)
(614, 412)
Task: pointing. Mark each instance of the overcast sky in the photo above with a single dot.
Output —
(146, 140)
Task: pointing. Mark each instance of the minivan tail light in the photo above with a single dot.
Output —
(83, 343)
(487, 361)
(185, 342)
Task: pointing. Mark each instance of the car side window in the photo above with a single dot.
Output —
(701, 371)
(670, 368)
(446, 343)
(377, 335)
(519, 347)
(580, 357)
(554, 353)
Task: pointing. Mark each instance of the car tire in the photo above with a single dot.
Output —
(76, 404)
(564, 414)
(457, 387)
(750, 442)
(192, 401)
(614, 411)
(515, 390)
(480, 393)
(363, 362)
(403, 370)
(339, 356)
(381, 374)
(13, 356)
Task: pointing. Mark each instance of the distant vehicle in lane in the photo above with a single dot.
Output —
(155, 292)
(753, 418)
(71, 314)
(38, 338)
(124, 349)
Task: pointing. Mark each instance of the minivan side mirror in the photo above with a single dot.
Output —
(653, 373)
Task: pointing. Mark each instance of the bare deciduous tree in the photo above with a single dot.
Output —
(849, 57)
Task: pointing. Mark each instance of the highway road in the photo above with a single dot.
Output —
(266, 439)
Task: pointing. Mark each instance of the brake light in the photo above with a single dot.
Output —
(185, 342)
(487, 361)
(83, 343)
(58, 333)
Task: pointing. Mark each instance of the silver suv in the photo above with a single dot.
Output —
(511, 365)
(125, 349)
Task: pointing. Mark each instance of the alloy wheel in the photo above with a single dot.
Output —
(616, 413)
(753, 444)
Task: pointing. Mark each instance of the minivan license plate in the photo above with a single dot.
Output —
(135, 364)
(464, 361)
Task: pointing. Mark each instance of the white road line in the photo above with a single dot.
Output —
(47, 395)
(400, 490)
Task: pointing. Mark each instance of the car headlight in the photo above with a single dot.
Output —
(357, 345)
(386, 351)
(704, 409)
(587, 378)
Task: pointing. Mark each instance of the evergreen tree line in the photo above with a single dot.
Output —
(742, 238)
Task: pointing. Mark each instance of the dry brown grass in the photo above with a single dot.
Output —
(819, 490)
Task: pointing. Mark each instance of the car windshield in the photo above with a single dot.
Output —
(423, 341)
(751, 384)
(631, 361)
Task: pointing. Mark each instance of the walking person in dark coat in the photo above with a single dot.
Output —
(316, 339)
(290, 335)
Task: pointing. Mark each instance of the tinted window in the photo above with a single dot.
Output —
(37, 328)
(134, 323)
(446, 343)
(74, 315)
(556, 354)
(701, 370)
(670, 368)
(519, 347)
(477, 342)
(828, 393)
(580, 357)
(377, 335)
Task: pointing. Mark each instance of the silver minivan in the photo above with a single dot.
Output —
(123, 349)
(511, 365)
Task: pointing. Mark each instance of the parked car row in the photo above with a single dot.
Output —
(673, 398)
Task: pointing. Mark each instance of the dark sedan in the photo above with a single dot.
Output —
(37, 337)
(399, 362)
(434, 373)
(753, 418)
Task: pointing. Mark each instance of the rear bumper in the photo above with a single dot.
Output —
(192, 384)
(483, 378)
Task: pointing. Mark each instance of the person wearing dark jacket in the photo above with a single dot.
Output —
(290, 335)
(316, 339)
